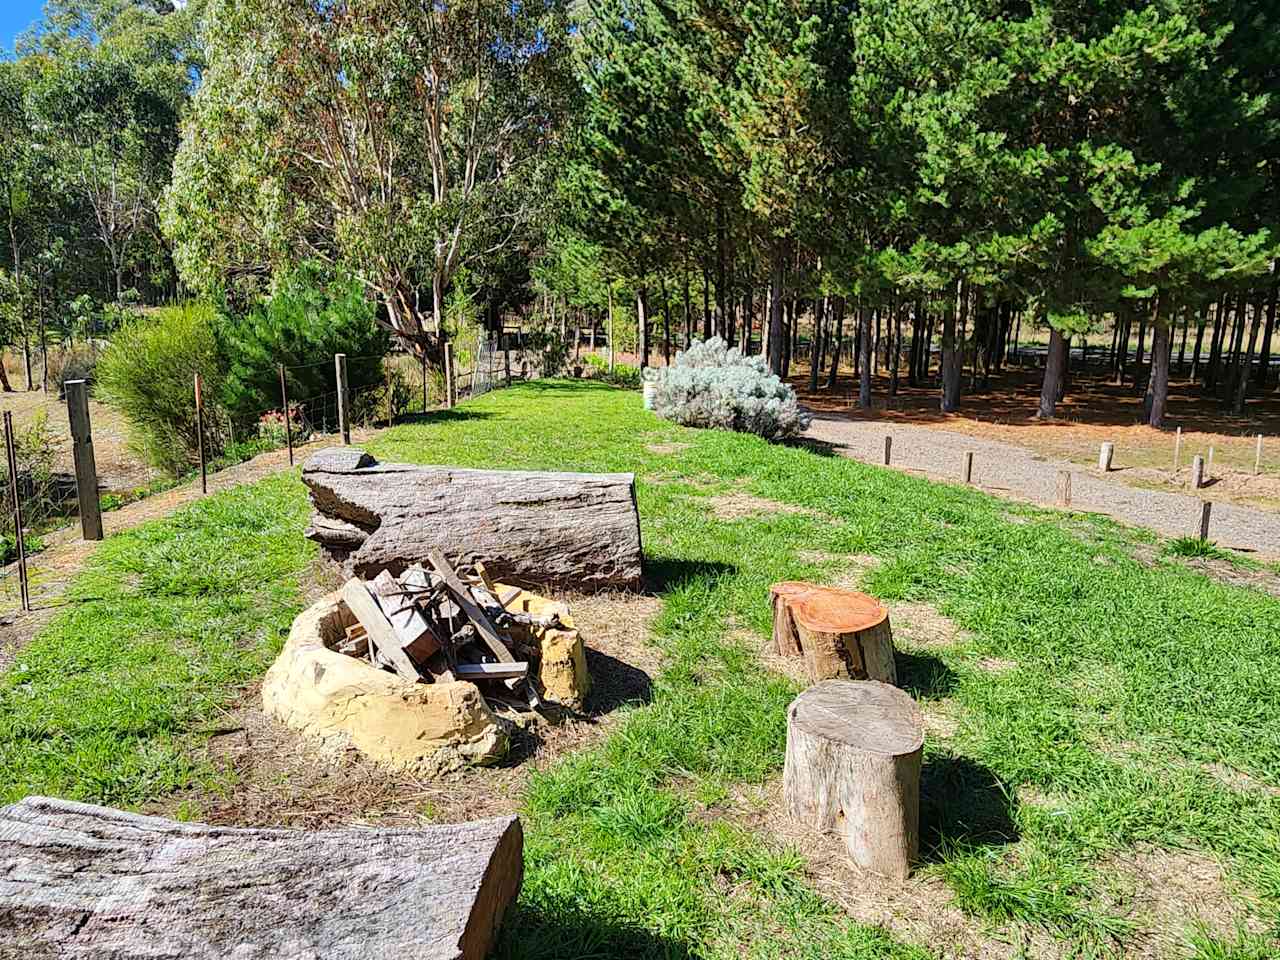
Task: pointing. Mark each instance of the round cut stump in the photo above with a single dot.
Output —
(840, 633)
(854, 751)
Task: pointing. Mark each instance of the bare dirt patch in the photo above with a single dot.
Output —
(275, 776)
(1239, 781)
(997, 665)
(1168, 892)
(921, 625)
(666, 449)
(738, 504)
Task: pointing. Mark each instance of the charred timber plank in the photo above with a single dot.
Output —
(80, 881)
(382, 636)
(577, 530)
(462, 596)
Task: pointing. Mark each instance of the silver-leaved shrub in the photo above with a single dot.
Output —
(713, 385)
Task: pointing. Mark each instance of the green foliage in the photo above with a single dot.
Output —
(622, 375)
(306, 320)
(148, 373)
(1197, 548)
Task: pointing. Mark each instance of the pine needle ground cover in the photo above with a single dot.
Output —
(1101, 706)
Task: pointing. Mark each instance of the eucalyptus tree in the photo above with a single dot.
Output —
(398, 140)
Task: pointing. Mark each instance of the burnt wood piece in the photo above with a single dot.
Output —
(80, 881)
(382, 637)
(578, 530)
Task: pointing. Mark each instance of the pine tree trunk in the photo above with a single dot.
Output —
(1054, 373)
(1237, 344)
(815, 352)
(951, 359)
(837, 344)
(1264, 366)
(1157, 398)
(642, 315)
(896, 359)
(1242, 384)
(1202, 321)
(1215, 345)
(865, 358)
(777, 272)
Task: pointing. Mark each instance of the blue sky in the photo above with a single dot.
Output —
(15, 17)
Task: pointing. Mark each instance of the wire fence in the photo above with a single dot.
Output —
(400, 386)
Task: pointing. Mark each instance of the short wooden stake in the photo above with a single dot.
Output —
(1205, 509)
(968, 467)
(450, 397)
(888, 449)
(1197, 472)
(1064, 488)
(391, 414)
(1105, 454)
(85, 465)
(344, 398)
(204, 477)
(1208, 465)
(20, 540)
(1177, 451)
(1257, 457)
(284, 403)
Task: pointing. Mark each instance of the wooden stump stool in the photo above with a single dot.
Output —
(840, 633)
(853, 767)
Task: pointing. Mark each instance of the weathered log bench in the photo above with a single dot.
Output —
(854, 750)
(531, 528)
(80, 881)
(840, 633)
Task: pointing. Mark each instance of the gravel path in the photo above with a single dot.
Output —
(1006, 469)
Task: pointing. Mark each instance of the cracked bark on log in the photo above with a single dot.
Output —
(81, 881)
(534, 529)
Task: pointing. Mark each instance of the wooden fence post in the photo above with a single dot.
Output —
(344, 397)
(1177, 451)
(85, 465)
(968, 467)
(20, 540)
(1205, 509)
(1197, 472)
(449, 396)
(1105, 453)
(288, 423)
(888, 449)
(1208, 465)
(1064, 488)
(204, 479)
(391, 410)
(425, 401)
(1257, 457)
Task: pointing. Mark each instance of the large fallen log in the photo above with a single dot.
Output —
(79, 881)
(577, 530)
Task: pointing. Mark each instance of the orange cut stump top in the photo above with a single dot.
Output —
(822, 609)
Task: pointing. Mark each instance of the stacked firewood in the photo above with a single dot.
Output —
(444, 624)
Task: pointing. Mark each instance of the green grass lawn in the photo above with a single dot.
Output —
(1131, 687)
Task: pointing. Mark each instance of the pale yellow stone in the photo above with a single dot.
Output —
(429, 728)
(562, 664)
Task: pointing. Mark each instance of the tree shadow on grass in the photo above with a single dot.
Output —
(665, 574)
(924, 676)
(569, 933)
(962, 804)
(455, 415)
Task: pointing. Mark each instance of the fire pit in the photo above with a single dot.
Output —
(414, 670)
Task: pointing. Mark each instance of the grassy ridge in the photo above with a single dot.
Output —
(1127, 680)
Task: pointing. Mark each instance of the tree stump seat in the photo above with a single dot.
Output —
(842, 634)
(854, 750)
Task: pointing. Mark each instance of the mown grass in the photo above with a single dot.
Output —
(1129, 680)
